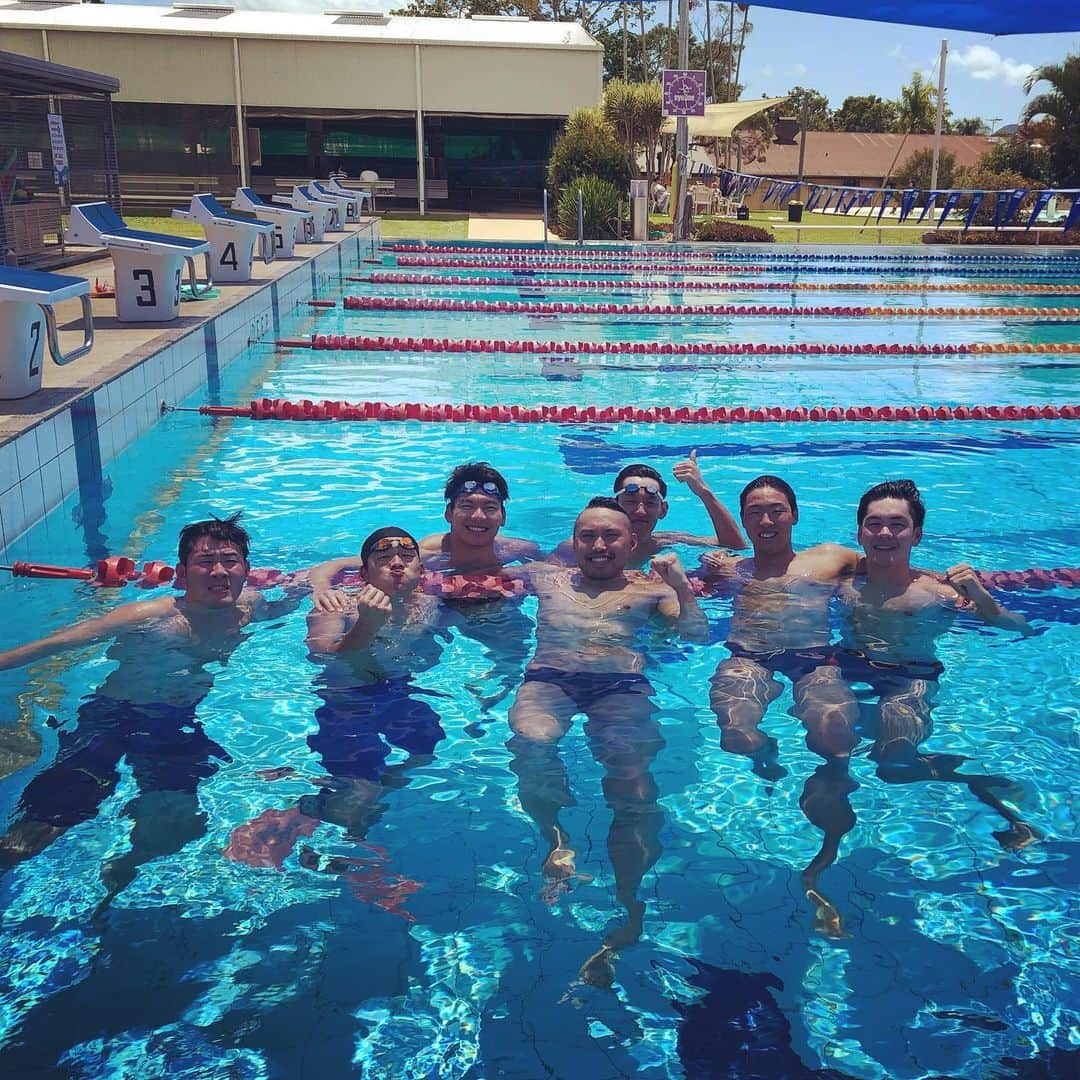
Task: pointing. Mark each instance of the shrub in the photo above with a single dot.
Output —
(915, 171)
(980, 179)
(730, 232)
(587, 148)
(1069, 239)
(600, 208)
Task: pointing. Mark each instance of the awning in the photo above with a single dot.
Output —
(980, 16)
(720, 120)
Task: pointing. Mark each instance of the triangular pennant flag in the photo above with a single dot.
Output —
(1015, 200)
(1040, 205)
(930, 200)
(908, 202)
(815, 196)
(976, 201)
(867, 197)
(1001, 204)
(950, 204)
(1074, 214)
(886, 195)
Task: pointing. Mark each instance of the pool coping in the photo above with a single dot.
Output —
(57, 441)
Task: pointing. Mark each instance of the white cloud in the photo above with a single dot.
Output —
(767, 70)
(798, 69)
(896, 51)
(982, 62)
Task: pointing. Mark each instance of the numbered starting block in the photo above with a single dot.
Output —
(148, 265)
(324, 213)
(348, 208)
(360, 195)
(232, 238)
(290, 226)
(28, 324)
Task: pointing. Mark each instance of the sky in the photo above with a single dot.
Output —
(841, 57)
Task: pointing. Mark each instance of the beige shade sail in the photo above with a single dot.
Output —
(720, 121)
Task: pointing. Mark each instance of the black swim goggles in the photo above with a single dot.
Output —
(471, 487)
(633, 489)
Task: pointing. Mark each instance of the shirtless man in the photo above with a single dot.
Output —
(145, 710)
(476, 497)
(588, 660)
(894, 618)
(642, 492)
(368, 653)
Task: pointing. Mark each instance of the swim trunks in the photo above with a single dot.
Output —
(359, 724)
(856, 666)
(164, 746)
(794, 664)
(587, 688)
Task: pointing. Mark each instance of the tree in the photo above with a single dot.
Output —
(1060, 105)
(587, 147)
(969, 125)
(865, 112)
(977, 178)
(1029, 160)
(634, 113)
(818, 116)
(917, 107)
(916, 170)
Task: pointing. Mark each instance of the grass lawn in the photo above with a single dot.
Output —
(396, 225)
(776, 222)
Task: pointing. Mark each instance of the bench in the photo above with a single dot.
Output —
(145, 191)
(410, 189)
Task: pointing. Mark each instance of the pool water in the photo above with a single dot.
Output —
(421, 945)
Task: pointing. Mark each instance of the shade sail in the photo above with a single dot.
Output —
(980, 16)
(720, 120)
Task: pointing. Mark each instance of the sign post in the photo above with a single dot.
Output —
(684, 95)
(59, 149)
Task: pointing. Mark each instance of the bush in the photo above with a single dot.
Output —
(729, 232)
(981, 179)
(1069, 239)
(915, 171)
(600, 209)
(587, 148)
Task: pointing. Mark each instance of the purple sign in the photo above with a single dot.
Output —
(684, 92)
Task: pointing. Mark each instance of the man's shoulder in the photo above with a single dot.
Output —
(829, 557)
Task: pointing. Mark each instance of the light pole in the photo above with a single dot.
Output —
(678, 226)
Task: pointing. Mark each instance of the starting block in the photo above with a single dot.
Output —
(28, 323)
(346, 201)
(232, 238)
(148, 265)
(290, 226)
(360, 195)
(324, 213)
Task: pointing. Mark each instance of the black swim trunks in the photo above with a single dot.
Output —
(164, 746)
(794, 664)
(587, 688)
(359, 724)
(856, 666)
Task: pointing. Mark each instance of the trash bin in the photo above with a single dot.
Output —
(639, 209)
(742, 213)
(794, 211)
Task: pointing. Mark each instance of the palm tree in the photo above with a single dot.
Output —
(917, 105)
(1061, 106)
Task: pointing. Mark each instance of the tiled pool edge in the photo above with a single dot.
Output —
(67, 450)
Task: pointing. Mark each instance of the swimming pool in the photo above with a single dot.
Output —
(426, 948)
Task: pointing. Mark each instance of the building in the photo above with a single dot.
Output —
(471, 103)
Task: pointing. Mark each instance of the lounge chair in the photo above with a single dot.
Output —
(28, 322)
(232, 238)
(148, 265)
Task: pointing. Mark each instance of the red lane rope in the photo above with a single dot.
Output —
(510, 281)
(661, 348)
(591, 266)
(529, 307)
(280, 409)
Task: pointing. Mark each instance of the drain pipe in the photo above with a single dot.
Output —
(580, 218)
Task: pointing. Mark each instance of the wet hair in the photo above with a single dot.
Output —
(226, 530)
(895, 489)
(769, 482)
(640, 470)
(482, 473)
(379, 534)
(605, 502)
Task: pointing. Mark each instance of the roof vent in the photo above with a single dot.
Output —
(500, 18)
(345, 17)
(199, 11)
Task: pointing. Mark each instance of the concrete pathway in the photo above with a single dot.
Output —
(521, 228)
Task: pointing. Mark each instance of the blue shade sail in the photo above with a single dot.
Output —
(979, 16)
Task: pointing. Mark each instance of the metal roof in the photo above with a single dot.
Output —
(25, 75)
(131, 18)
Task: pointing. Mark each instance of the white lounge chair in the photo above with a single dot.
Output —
(148, 265)
(290, 225)
(232, 238)
(28, 322)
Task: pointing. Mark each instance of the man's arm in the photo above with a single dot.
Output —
(323, 596)
(330, 632)
(682, 608)
(563, 554)
(966, 582)
(91, 630)
(728, 533)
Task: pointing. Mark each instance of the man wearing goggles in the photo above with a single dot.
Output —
(642, 492)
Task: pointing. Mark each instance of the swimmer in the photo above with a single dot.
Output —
(476, 497)
(368, 654)
(145, 710)
(893, 619)
(588, 660)
(642, 492)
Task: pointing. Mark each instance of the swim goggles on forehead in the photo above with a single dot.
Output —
(471, 487)
(633, 489)
(388, 543)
